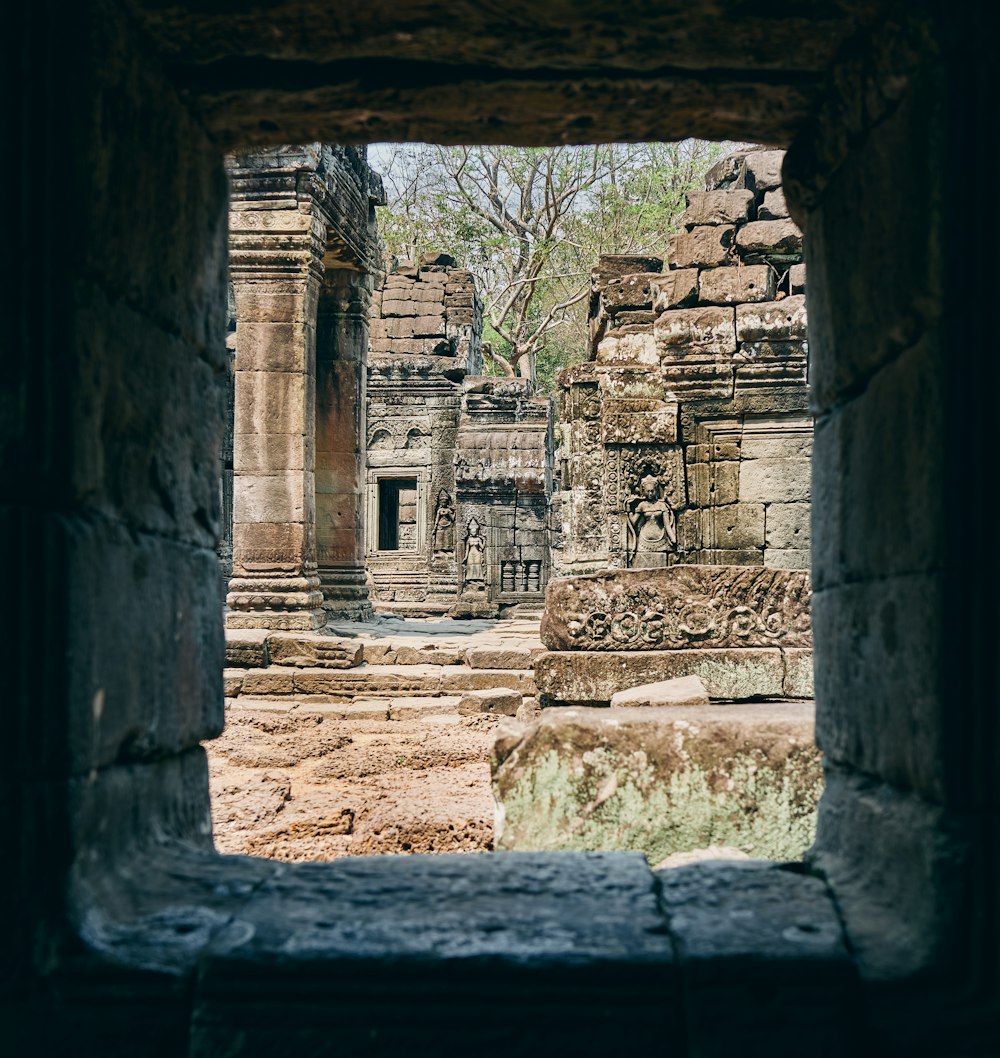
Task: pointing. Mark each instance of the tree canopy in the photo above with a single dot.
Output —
(531, 223)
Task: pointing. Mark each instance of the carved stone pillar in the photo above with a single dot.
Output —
(276, 253)
(342, 341)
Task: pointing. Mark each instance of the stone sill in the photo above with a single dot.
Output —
(506, 953)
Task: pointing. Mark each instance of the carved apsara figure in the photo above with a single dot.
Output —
(650, 526)
(444, 523)
(475, 547)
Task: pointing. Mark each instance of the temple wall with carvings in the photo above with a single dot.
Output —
(425, 335)
(687, 438)
(459, 465)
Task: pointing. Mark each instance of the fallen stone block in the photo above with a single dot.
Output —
(661, 781)
(713, 852)
(685, 690)
(496, 700)
(323, 652)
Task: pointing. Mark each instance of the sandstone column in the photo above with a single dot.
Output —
(276, 253)
(341, 355)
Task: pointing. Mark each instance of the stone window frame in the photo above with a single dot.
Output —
(137, 918)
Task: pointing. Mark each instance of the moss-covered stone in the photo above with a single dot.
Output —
(660, 781)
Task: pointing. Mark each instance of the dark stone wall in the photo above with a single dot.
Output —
(116, 390)
(124, 933)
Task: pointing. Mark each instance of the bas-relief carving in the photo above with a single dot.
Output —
(444, 523)
(644, 489)
(475, 554)
(680, 606)
(651, 529)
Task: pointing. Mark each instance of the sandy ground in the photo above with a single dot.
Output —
(304, 783)
(315, 780)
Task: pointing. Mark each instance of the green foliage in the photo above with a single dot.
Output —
(531, 223)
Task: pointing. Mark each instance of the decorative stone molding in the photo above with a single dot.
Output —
(678, 607)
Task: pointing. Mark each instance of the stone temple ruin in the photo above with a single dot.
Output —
(684, 458)
(687, 437)
(127, 931)
(459, 473)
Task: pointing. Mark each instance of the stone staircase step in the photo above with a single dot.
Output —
(372, 681)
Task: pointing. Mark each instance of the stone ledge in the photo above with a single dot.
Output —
(578, 677)
(660, 780)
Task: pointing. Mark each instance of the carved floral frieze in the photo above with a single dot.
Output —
(679, 607)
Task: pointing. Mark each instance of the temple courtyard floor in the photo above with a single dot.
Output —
(328, 753)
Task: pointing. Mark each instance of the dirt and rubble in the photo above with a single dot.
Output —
(354, 772)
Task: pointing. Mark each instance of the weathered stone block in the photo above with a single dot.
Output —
(764, 238)
(270, 402)
(713, 378)
(730, 286)
(495, 700)
(705, 333)
(502, 657)
(628, 349)
(704, 247)
(798, 672)
(728, 206)
(739, 526)
(271, 453)
(426, 326)
(612, 266)
(325, 652)
(773, 207)
(861, 534)
(638, 422)
(247, 650)
(686, 690)
(761, 170)
(633, 318)
(261, 683)
(674, 289)
(713, 484)
(680, 606)
(882, 668)
(628, 292)
(661, 780)
(786, 558)
(286, 497)
(787, 525)
(772, 321)
(797, 279)
(279, 346)
(774, 480)
(728, 917)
